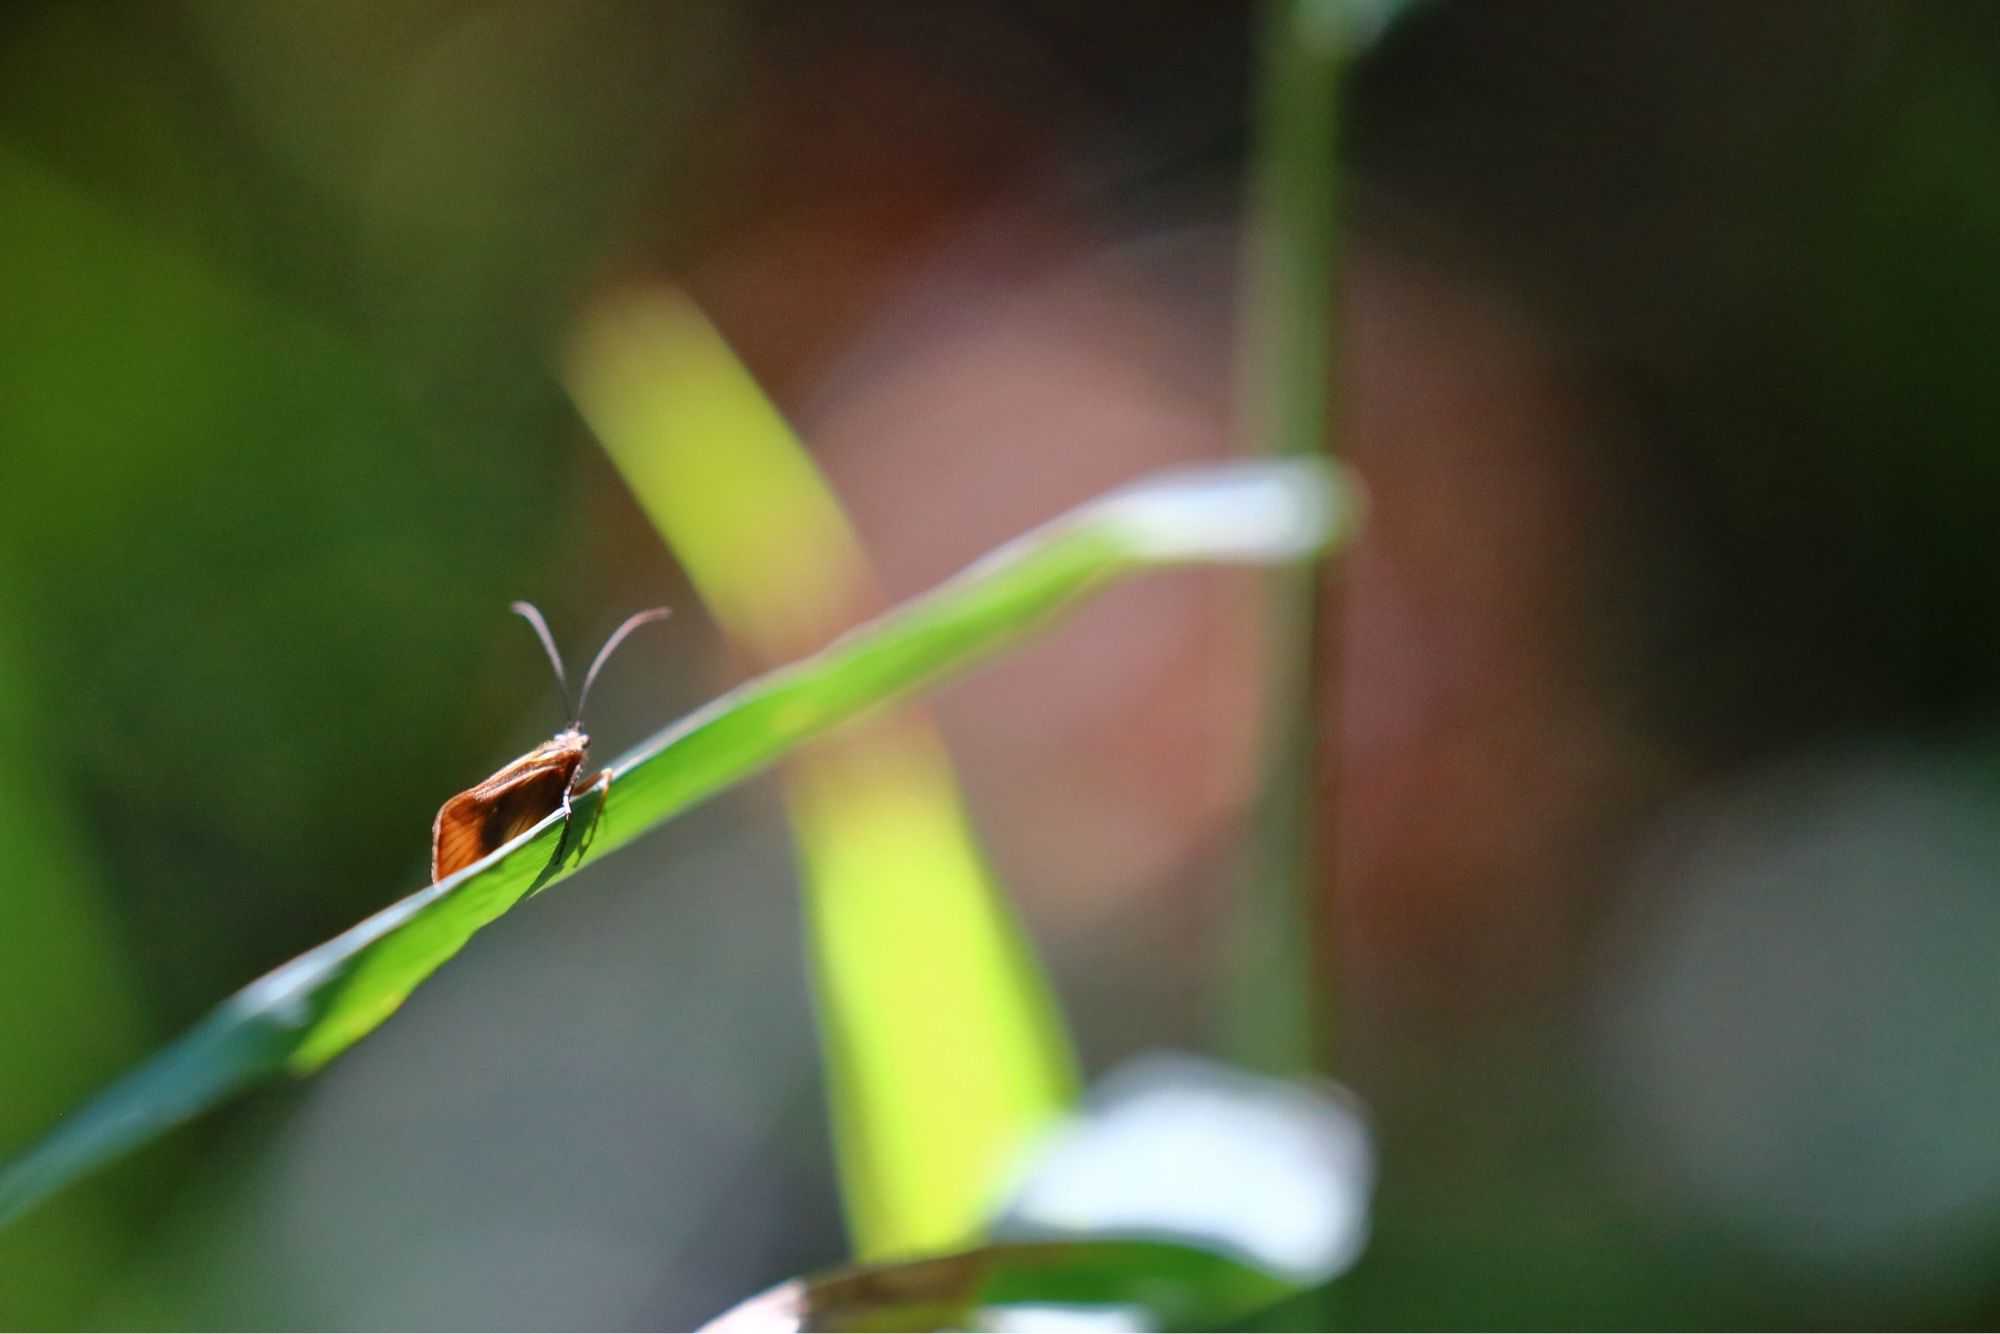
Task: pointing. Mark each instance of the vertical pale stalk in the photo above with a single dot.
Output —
(944, 1048)
(1276, 1014)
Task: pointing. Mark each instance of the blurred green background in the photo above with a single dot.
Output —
(1667, 825)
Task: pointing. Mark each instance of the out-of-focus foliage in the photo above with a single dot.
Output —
(945, 1051)
(1279, 1015)
(68, 1014)
(1668, 658)
(1126, 1284)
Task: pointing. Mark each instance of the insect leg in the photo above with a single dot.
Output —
(601, 785)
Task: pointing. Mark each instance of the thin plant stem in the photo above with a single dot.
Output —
(1278, 1013)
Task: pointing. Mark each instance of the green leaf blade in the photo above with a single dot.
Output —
(307, 1011)
(1128, 1283)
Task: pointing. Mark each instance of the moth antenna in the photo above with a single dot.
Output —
(528, 612)
(632, 622)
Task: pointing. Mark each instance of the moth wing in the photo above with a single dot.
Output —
(478, 820)
(456, 835)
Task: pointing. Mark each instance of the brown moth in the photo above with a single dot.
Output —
(480, 819)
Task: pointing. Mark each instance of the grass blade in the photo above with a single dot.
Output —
(309, 1010)
(1088, 1283)
(945, 1050)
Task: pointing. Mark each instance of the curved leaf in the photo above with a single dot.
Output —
(1099, 1283)
(309, 1010)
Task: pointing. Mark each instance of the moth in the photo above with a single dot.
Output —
(522, 794)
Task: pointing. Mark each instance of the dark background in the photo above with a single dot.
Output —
(1667, 822)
